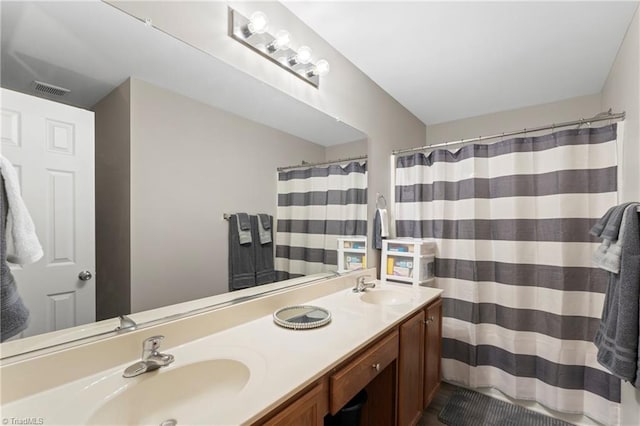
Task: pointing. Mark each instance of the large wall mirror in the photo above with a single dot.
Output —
(181, 139)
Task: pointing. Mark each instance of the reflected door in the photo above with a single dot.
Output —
(51, 146)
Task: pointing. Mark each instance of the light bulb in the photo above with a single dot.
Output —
(322, 67)
(258, 23)
(303, 56)
(282, 41)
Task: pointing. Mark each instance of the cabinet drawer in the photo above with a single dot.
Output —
(353, 377)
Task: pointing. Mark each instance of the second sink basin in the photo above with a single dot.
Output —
(384, 297)
(175, 393)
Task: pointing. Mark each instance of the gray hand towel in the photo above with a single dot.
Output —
(266, 220)
(244, 228)
(377, 230)
(242, 273)
(263, 254)
(618, 336)
(14, 316)
(612, 227)
(609, 228)
(264, 228)
(597, 229)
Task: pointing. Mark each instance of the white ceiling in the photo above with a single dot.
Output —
(91, 48)
(449, 60)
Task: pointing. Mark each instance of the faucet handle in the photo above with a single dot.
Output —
(151, 345)
(362, 279)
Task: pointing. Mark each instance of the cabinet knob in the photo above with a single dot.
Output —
(376, 366)
(429, 320)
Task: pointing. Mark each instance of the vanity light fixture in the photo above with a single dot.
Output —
(254, 33)
(282, 41)
(321, 68)
(258, 24)
(302, 56)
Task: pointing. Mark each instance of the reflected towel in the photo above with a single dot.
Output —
(263, 253)
(242, 273)
(14, 316)
(380, 228)
(244, 228)
(23, 246)
(264, 228)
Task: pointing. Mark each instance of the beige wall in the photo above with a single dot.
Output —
(517, 119)
(190, 164)
(346, 150)
(168, 168)
(113, 234)
(345, 93)
(622, 93)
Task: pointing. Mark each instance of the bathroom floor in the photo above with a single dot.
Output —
(430, 415)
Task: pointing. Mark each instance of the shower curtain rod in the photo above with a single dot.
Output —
(599, 117)
(324, 163)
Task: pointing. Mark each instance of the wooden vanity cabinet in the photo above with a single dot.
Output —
(432, 350)
(308, 409)
(400, 372)
(411, 365)
(346, 382)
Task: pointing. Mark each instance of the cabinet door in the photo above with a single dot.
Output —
(410, 370)
(308, 410)
(433, 350)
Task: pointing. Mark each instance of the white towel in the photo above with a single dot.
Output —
(384, 223)
(23, 246)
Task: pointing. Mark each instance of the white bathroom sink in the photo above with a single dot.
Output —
(175, 394)
(384, 297)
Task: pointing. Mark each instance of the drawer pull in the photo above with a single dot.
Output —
(376, 366)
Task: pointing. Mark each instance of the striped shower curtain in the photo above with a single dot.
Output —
(522, 299)
(315, 207)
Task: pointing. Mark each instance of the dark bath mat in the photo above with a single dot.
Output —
(469, 408)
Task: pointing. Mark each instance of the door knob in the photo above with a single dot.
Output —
(85, 276)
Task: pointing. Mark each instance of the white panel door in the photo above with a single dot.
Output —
(52, 147)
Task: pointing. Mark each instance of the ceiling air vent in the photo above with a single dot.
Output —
(50, 89)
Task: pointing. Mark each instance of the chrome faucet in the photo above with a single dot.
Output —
(151, 358)
(362, 284)
(126, 324)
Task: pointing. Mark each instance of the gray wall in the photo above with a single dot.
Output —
(517, 119)
(112, 168)
(190, 163)
(622, 93)
(167, 169)
(346, 150)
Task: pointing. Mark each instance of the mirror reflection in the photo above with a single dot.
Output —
(136, 154)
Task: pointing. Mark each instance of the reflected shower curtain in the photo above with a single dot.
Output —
(522, 299)
(315, 207)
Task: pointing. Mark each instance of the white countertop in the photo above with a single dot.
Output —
(281, 361)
